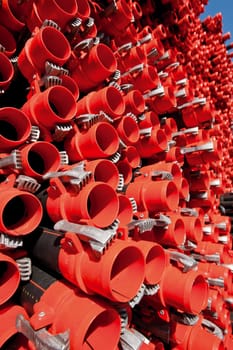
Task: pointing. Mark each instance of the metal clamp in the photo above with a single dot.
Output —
(185, 318)
(52, 69)
(27, 183)
(193, 131)
(50, 23)
(42, 339)
(189, 212)
(35, 134)
(159, 91)
(121, 183)
(131, 339)
(213, 328)
(10, 242)
(25, 268)
(99, 239)
(14, 159)
(152, 290)
(61, 131)
(208, 146)
(134, 70)
(188, 262)
(164, 175)
(138, 297)
(76, 176)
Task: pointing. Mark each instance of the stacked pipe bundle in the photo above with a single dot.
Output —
(116, 176)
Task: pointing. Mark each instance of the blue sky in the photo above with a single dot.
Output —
(226, 8)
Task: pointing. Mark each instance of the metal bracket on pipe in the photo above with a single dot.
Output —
(42, 339)
(186, 318)
(25, 268)
(221, 226)
(14, 159)
(125, 88)
(121, 183)
(125, 48)
(35, 134)
(50, 23)
(189, 212)
(188, 245)
(27, 183)
(131, 339)
(50, 80)
(10, 242)
(54, 69)
(164, 175)
(213, 328)
(85, 45)
(115, 157)
(145, 39)
(75, 25)
(61, 131)
(218, 282)
(138, 297)
(210, 258)
(2, 48)
(134, 70)
(115, 77)
(76, 176)
(208, 146)
(133, 204)
(154, 53)
(148, 224)
(99, 239)
(188, 262)
(182, 82)
(159, 91)
(146, 132)
(193, 131)
(223, 239)
(152, 290)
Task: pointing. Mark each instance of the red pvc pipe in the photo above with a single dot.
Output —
(134, 102)
(6, 72)
(125, 169)
(8, 18)
(125, 213)
(174, 235)
(9, 278)
(40, 158)
(117, 275)
(20, 212)
(95, 319)
(155, 143)
(128, 130)
(8, 315)
(131, 155)
(100, 141)
(103, 170)
(48, 44)
(71, 85)
(108, 99)
(60, 11)
(190, 294)
(194, 228)
(7, 40)
(155, 259)
(97, 204)
(95, 67)
(47, 108)
(154, 195)
(15, 128)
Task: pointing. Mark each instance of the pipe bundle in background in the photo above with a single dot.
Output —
(116, 176)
